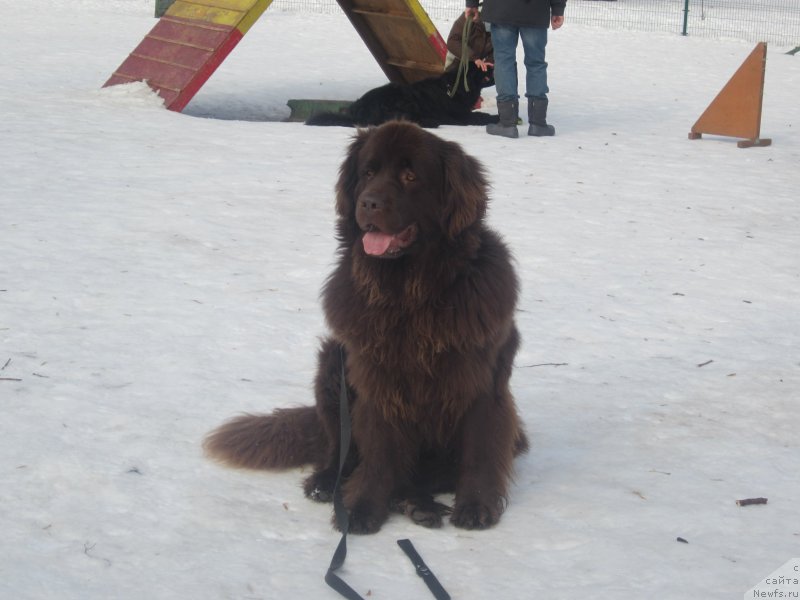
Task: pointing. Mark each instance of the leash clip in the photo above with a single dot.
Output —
(423, 571)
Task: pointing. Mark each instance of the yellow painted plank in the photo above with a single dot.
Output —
(383, 13)
(240, 5)
(208, 14)
(422, 17)
(259, 6)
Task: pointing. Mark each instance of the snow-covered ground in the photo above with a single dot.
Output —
(159, 273)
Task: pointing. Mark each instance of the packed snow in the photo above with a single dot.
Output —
(160, 272)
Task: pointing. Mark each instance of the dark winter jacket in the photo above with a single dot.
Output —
(522, 13)
(479, 44)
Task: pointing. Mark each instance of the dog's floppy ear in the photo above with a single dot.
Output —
(348, 176)
(465, 192)
(346, 227)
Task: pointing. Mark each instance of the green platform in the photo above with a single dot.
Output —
(305, 108)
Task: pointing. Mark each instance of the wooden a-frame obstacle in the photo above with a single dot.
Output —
(736, 111)
(193, 37)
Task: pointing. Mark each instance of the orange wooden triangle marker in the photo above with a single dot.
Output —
(736, 111)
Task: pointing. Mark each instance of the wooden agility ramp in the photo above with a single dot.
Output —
(400, 36)
(187, 45)
(736, 111)
(193, 37)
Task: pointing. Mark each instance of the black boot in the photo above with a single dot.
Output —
(537, 116)
(508, 111)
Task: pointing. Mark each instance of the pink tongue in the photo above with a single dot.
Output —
(376, 243)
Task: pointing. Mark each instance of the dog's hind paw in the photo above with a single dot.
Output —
(319, 486)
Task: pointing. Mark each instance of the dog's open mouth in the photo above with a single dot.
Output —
(378, 243)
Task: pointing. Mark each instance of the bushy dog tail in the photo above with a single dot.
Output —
(331, 119)
(289, 437)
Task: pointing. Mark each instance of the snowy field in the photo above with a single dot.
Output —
(159, 273)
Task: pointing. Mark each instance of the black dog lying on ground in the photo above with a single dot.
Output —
(426, 102)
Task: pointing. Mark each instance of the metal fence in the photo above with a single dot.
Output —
(773, 21)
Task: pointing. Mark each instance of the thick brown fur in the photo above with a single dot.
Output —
(425, 326)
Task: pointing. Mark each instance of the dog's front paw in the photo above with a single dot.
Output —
(476, 514)
(365, 517)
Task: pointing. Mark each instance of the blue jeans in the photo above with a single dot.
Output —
(504, 40)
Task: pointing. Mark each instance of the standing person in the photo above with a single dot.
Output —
(510, 20)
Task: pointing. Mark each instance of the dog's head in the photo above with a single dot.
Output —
(476, 79)
(401, 188)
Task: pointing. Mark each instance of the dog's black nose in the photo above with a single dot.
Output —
(371, 202)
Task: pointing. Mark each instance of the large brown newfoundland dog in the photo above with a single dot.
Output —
(421, 309)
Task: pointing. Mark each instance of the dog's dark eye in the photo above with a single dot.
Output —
(408, 175)
(368, 173)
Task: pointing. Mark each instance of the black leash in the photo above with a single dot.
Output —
(343, 518)
(463, 62)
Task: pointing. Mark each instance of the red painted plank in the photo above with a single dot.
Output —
(156, 74)
(116, 80)
(177, 57)
(201, 35)
(205, 72)
(172, 53)
(169, 96)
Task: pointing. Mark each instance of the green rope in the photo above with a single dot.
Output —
(463, 62)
